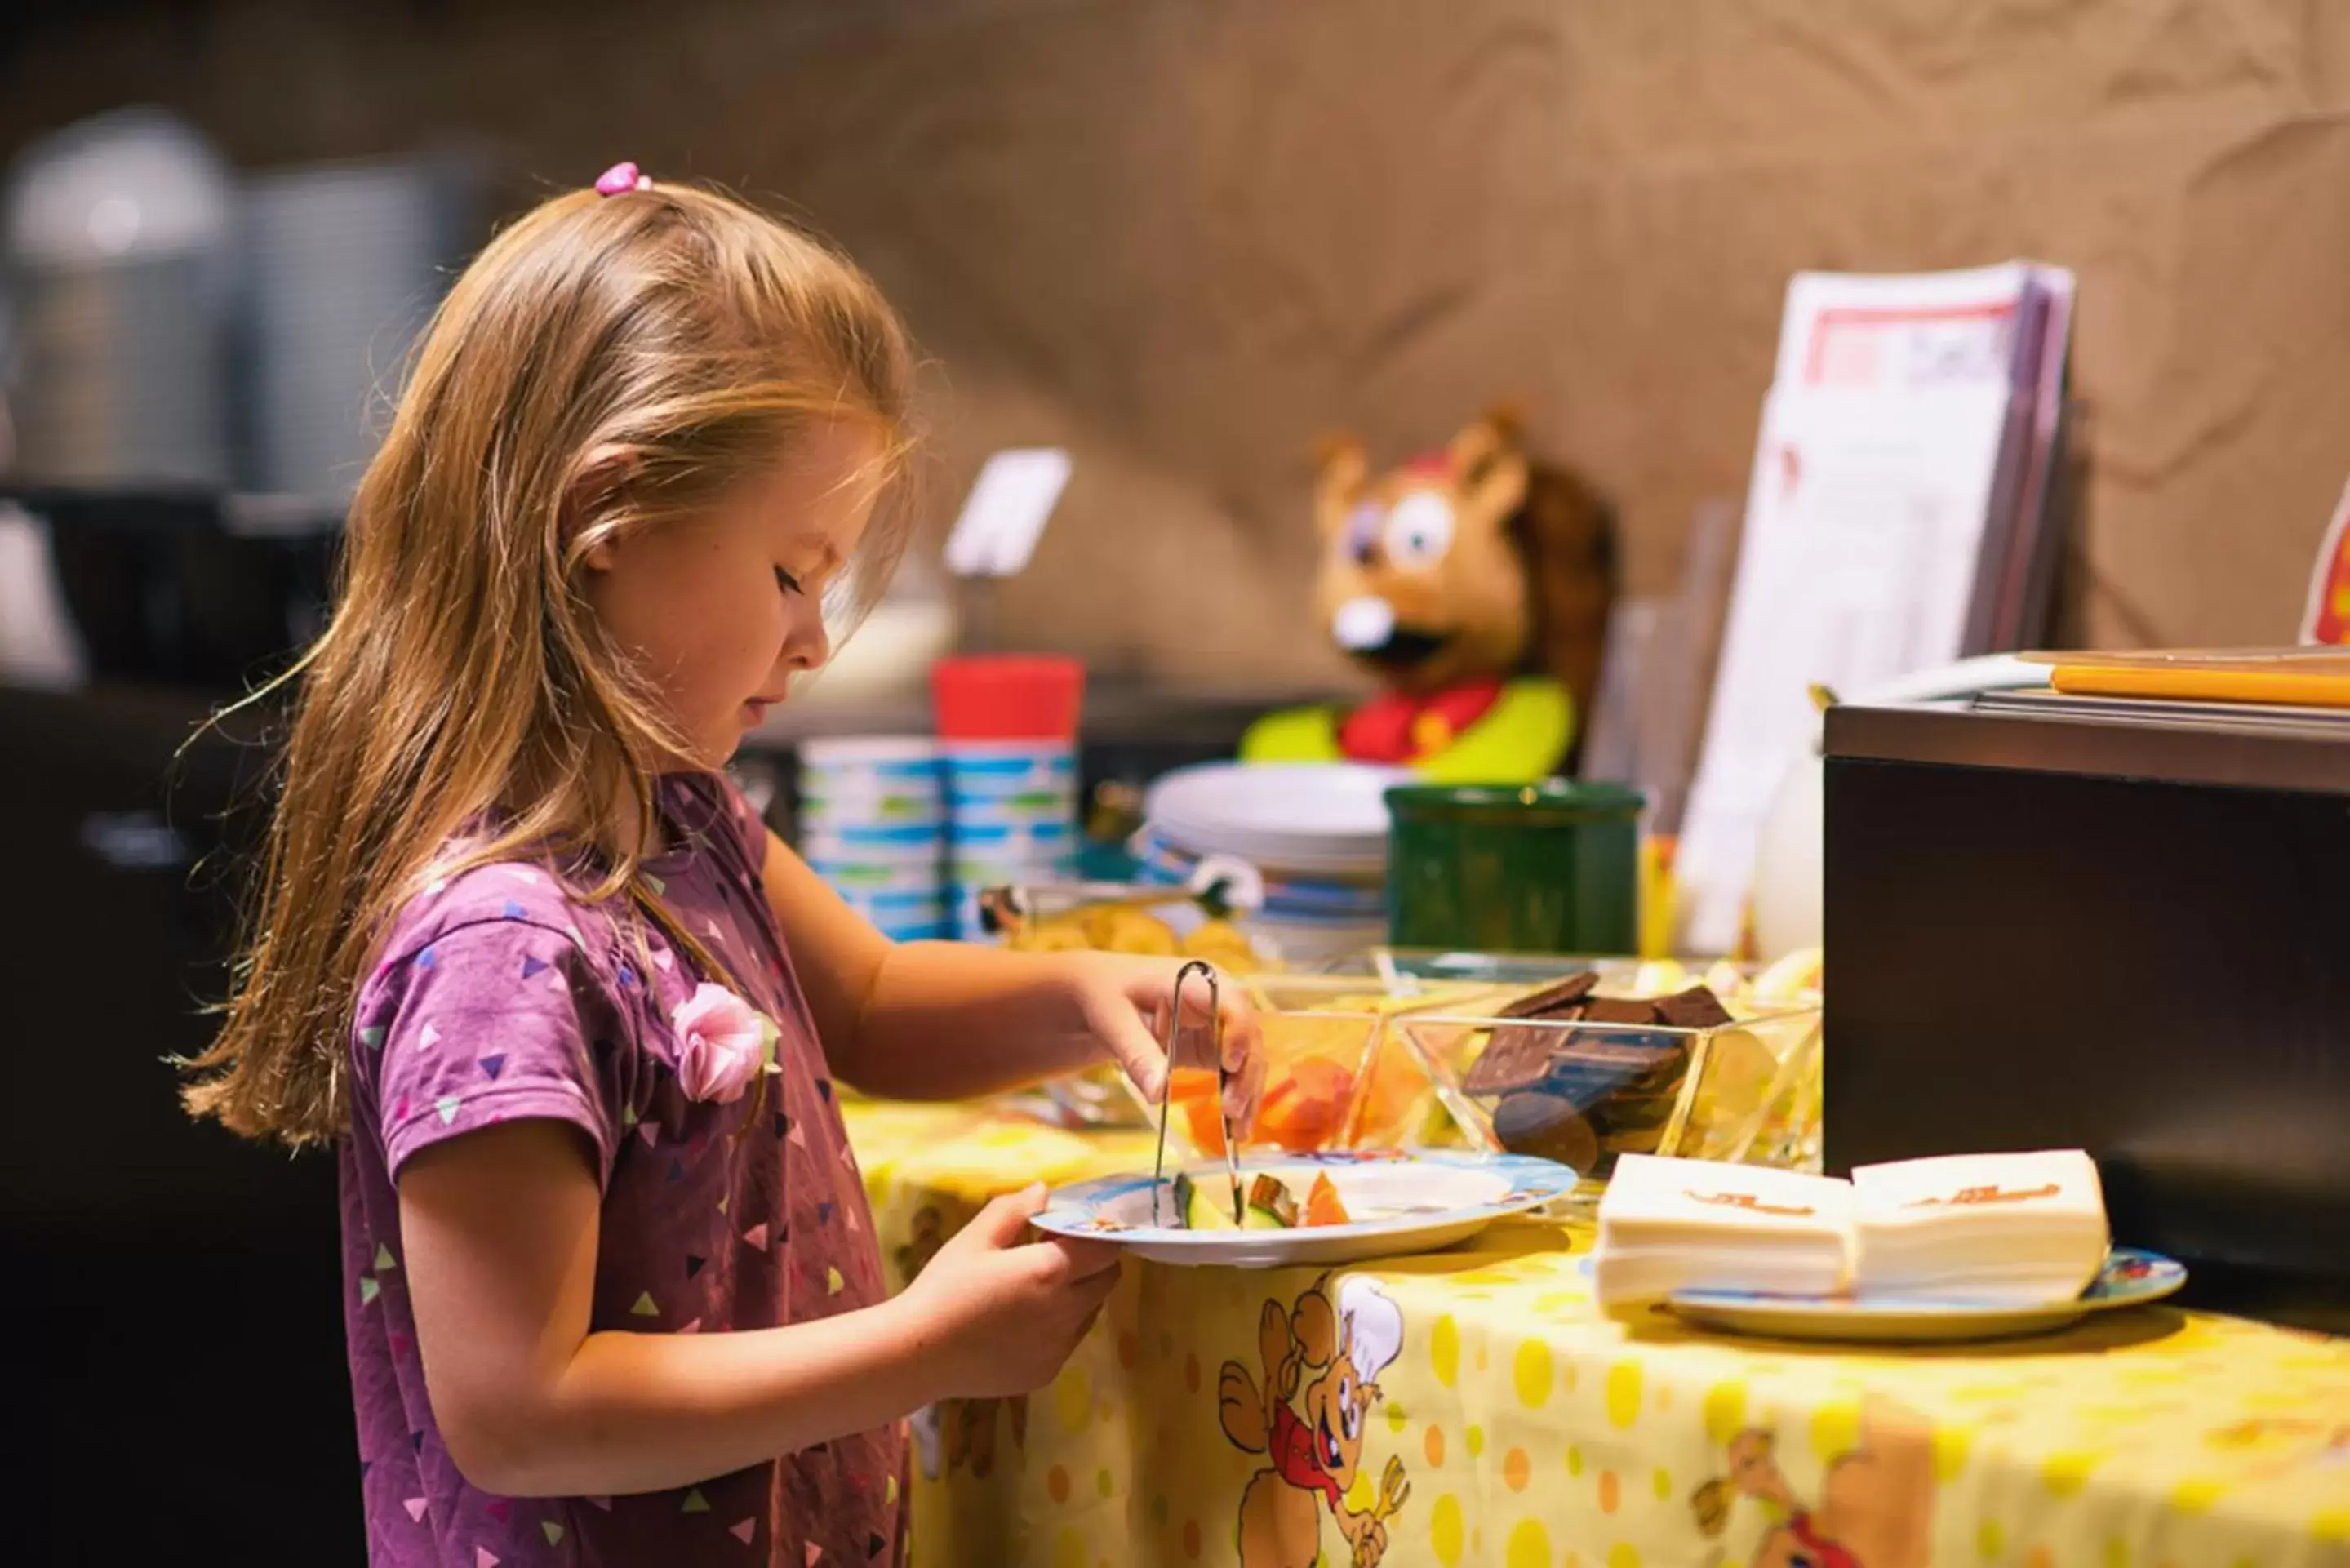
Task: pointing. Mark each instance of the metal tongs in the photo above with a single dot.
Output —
(1167, 1088)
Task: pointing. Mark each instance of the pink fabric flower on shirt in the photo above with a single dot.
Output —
(722, 1044)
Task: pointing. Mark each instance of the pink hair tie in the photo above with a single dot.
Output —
(621, 177)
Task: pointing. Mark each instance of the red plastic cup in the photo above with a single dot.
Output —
(1006, 697)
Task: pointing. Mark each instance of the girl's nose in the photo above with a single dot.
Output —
(806, 645)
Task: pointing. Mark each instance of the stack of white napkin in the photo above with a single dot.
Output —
(2016, 1229)
(2004, 1229)
(1669, 1225)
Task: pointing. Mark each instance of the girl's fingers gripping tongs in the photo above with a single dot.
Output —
(1166, 1083)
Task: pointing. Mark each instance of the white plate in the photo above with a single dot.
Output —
(1426, 1200)
(2130, 1278)
(1330, 817)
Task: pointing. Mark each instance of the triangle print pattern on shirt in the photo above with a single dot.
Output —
(502, 998)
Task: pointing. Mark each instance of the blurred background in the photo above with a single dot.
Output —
(1176, 239)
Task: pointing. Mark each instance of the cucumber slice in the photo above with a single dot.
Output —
(1197, 1211)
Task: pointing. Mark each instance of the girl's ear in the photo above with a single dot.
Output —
(597, 478)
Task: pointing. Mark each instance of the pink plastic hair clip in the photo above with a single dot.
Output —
(621, 177)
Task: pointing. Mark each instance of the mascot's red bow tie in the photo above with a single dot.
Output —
(1394, 728)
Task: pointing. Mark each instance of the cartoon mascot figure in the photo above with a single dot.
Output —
(1321, 1367)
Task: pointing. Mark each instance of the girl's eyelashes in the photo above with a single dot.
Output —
(787, 582)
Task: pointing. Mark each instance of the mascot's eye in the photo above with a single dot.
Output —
(1419, 530)
(1363, 533)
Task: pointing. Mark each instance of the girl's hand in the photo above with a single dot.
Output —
(1124, 1000)
(1000, 1317)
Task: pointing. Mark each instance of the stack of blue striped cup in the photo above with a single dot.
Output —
(1011, 818)
(873, 824)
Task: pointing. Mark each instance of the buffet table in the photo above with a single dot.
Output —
(1474, 1408)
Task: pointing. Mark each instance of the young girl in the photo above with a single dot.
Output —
(571, 1015)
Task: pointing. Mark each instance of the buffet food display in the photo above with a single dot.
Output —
(1576, 1060)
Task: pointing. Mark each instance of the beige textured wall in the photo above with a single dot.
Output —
(1185, 235)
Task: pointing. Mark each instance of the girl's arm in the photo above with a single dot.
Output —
(940, 1020)
(499, 1228)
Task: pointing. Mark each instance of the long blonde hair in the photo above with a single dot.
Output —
(605, 365)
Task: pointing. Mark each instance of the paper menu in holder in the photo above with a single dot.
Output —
(1898, 484)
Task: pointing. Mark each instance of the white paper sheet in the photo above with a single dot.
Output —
(1005, 512)
(1865, 519)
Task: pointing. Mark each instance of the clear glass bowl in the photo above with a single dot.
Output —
(1586, 1093)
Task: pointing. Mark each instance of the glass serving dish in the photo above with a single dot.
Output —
(1585, 1093)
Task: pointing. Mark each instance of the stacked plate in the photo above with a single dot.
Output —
(1012, 818)
(1316, 836)
(873, 824)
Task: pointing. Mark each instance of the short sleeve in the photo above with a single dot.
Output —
(491, 1020)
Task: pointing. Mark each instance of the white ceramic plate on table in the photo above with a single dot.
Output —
(1418, 1202)
(1329, 818)
(2130, 1278)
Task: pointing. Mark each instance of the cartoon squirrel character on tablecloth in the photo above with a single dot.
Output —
(1312, 1448)
(957, 1432)
(1475, 584)
(1876, 1508)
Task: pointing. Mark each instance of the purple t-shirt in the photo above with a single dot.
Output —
(500, 996)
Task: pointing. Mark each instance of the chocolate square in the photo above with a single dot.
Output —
(1696, 1008)
(1619, 1010)
(1512, 1060)
(1555, 1001)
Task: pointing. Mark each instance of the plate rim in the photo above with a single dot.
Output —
(1894, 1309)
(1555, 1181)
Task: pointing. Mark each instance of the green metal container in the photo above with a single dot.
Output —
(1548, 867)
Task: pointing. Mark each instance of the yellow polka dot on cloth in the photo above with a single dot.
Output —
(2116, 1553)
(1104, 1484)
(1836, 1431)
(2195, 1496)
(1529, 1546)
(1725, 1412)
(1444, 1530)
(1664, 1485)
(1990, 1540)
(1444, 1350)
(2066, 1474)
(1073, 1398)
(1624, 1393)
(1476, 1440)
(1574, 1461)
(1623, 1554)
(1533, 1374)
(1950, 1445)
(1068, 1549)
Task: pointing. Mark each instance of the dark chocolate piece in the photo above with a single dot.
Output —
(1619, 1010)
(1512, 1060)
(1547, 1128)
(1696, 1008)
(1552, 1001)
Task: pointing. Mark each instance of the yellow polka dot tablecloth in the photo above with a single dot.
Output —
(1473, 1407)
